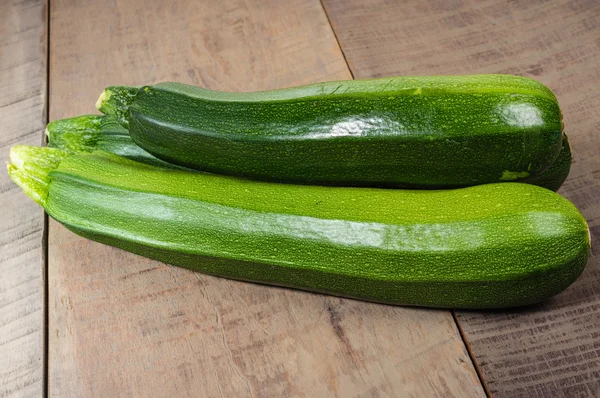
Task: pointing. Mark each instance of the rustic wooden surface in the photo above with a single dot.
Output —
(122, 325)
(22, 116)
(551, 349)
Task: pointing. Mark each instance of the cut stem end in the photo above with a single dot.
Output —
(30, 169)
(115, 101)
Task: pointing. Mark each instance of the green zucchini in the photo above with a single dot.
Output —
(553, 177)
(488, 246)
(423, 132)
(89, 133)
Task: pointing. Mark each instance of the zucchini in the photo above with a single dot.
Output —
(89, 133)
(488, 246)
(422, 132)
(554, 176)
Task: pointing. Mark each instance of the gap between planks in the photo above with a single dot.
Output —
(337, 40)
(45, 292)
(471, 354)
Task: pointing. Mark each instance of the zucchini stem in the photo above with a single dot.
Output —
(76, 134)
(30, 169)
(115, 101)
(91, 133)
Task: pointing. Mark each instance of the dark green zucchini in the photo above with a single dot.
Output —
(426, 132)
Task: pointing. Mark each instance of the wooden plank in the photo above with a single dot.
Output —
(124, 325)
(550, 349)
(23, 116)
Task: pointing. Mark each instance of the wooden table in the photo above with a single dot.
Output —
(81, 319)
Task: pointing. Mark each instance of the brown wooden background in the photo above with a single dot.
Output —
(81, 319)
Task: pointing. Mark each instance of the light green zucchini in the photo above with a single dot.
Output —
(488, 246)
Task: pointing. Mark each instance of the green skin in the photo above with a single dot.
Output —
(554, 176)
(424, 132)
(89, 133)
(489, 246)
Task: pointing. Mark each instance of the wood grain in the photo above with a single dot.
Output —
(551, 349)
(122, 325)
(23, 116)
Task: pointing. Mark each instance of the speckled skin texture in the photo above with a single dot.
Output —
(92, 132)
(489, 246)
(553, 177)
(89, 133)
(407, 131)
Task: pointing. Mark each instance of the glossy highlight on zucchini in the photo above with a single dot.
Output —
(424, 131)
(89, 133)
(488, 246)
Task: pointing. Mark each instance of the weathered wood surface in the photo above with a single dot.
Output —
(552, 349)
(122, 325)
(22, 117)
